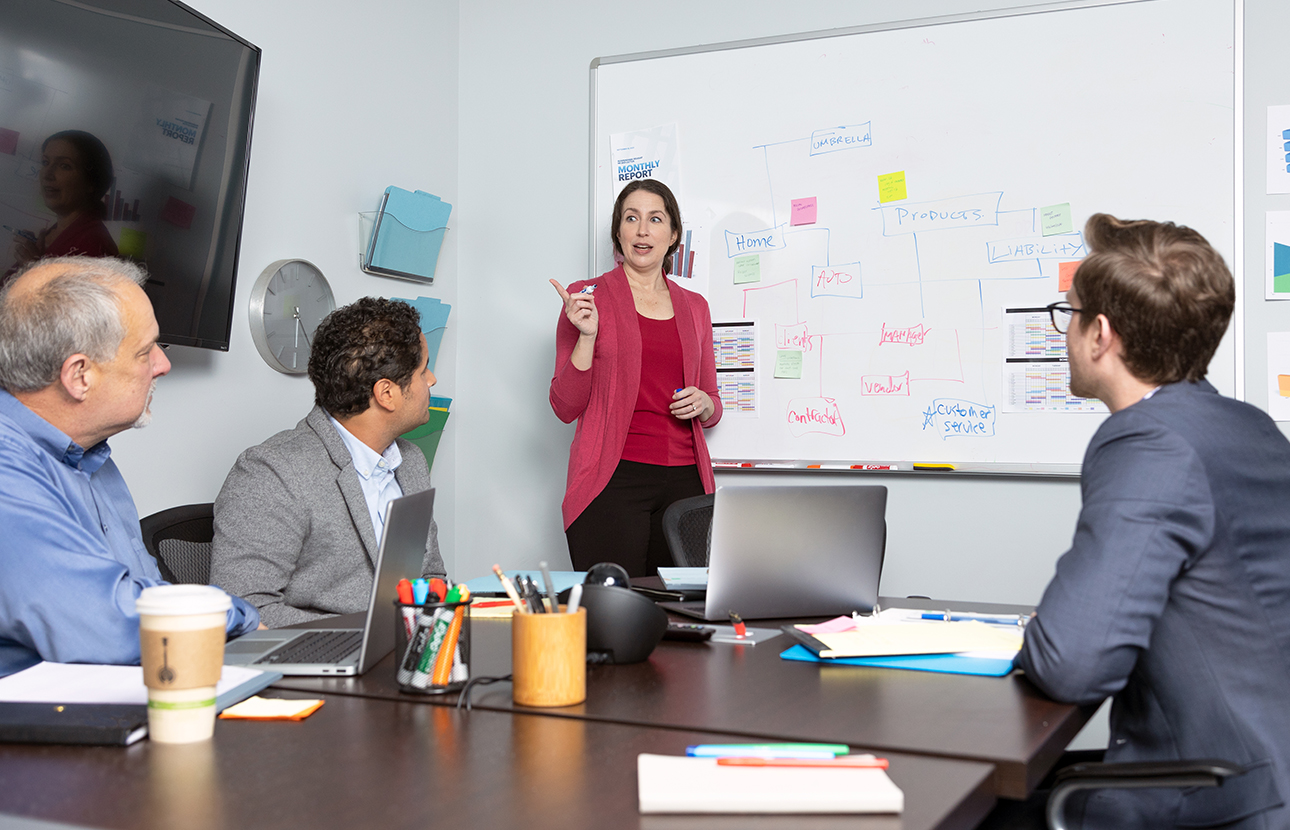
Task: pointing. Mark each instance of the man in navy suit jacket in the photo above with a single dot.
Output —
(1175, 595)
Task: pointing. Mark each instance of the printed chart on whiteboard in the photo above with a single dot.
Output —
(879, 247)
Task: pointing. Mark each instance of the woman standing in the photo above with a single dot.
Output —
(634, 365)
(75, 173)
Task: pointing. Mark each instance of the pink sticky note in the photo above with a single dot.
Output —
(803, 212)
(8, 141)
(1066, 274)
(832, 626)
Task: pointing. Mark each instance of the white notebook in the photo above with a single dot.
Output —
(670, 784)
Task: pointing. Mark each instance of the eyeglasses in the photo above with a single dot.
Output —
(1061, 315)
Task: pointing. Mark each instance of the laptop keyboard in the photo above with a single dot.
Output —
(316, 647)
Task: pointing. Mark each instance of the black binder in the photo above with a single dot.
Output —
(104, 724)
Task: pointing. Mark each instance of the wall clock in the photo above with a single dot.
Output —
(288, 301)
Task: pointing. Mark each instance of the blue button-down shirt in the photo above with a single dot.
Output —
(375, 474)
(72, 560)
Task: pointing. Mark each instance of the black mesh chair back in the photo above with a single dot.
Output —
(687, 526)
(180, 540)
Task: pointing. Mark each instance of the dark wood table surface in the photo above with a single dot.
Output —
(749, 692)
(364, 763)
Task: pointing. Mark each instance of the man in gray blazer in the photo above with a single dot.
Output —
(1175, 595)
(299, 520)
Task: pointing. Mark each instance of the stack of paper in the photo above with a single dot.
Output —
(699, 785)
(89, 683)
(901, 638)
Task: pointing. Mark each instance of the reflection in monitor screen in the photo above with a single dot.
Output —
(125, 128)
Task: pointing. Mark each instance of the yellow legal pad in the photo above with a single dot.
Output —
(889, 640)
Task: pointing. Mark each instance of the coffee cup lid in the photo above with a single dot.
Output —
(182, 600)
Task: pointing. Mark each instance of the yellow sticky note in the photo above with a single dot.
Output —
(1283, 385)
(747, 269)
(891, 187)
(263, 708)
(788, 363)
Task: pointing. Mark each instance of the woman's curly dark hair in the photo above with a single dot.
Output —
(360, 344)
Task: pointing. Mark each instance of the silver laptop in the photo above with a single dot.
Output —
(350, 651)
(793, 551)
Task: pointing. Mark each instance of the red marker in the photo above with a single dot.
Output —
(741, 630)
(404, 591)
(439, 588)
(872, 467)
(852, 761)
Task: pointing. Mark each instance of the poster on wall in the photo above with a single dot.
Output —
(1279, 375)
(1279, 149)
(1276, 255)
(646, 154)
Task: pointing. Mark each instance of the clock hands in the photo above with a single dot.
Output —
(300, 327)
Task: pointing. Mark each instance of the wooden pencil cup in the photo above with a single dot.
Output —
(549, 658)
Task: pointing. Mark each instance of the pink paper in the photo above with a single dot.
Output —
(8, 141)
(803, 212)
(832, 626)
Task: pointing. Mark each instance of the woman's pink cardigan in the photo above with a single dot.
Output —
(603, 398)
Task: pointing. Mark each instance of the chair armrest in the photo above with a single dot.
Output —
(1200, 773)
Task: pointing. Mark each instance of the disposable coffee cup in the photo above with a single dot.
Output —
(181, 643)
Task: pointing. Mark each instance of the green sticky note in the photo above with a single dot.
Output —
(788, 363)
(133, 243)
(747, 269)
(1056, 219)
(891, 187)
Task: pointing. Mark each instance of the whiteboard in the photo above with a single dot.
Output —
(897, 304)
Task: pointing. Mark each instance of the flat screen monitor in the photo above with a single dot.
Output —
(125, 128)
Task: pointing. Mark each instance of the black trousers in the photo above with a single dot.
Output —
(624, 524)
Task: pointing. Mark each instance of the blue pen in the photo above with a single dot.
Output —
(24, 234)
(420, 590)
(946, 616)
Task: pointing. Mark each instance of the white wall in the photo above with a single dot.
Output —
(523, 220)
(486, 104)
(352, 98)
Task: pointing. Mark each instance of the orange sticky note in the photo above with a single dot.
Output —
(1065, 275)
(1283, 385)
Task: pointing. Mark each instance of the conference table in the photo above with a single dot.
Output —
(373, 756)
(387, 765)
(749, 692)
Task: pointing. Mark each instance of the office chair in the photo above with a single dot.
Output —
(1206, 773)
(687, 526)
(180, 540)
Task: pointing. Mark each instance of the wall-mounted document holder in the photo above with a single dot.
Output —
(402, 240)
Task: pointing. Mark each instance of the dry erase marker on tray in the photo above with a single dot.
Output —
(875, 467)
(925, 466)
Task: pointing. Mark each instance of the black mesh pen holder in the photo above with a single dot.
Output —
(432, 643)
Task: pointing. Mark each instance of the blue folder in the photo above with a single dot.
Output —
(943, 663)
(408, 234)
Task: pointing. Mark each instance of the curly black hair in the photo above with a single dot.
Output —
(360, 344)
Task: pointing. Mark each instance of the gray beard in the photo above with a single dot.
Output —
(145, 417)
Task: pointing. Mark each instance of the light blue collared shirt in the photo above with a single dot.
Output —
(72, 560)
(375, 474)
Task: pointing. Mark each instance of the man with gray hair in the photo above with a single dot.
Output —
(79, 360)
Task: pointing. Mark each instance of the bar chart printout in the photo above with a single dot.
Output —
(1036, 376)
(734, 344)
